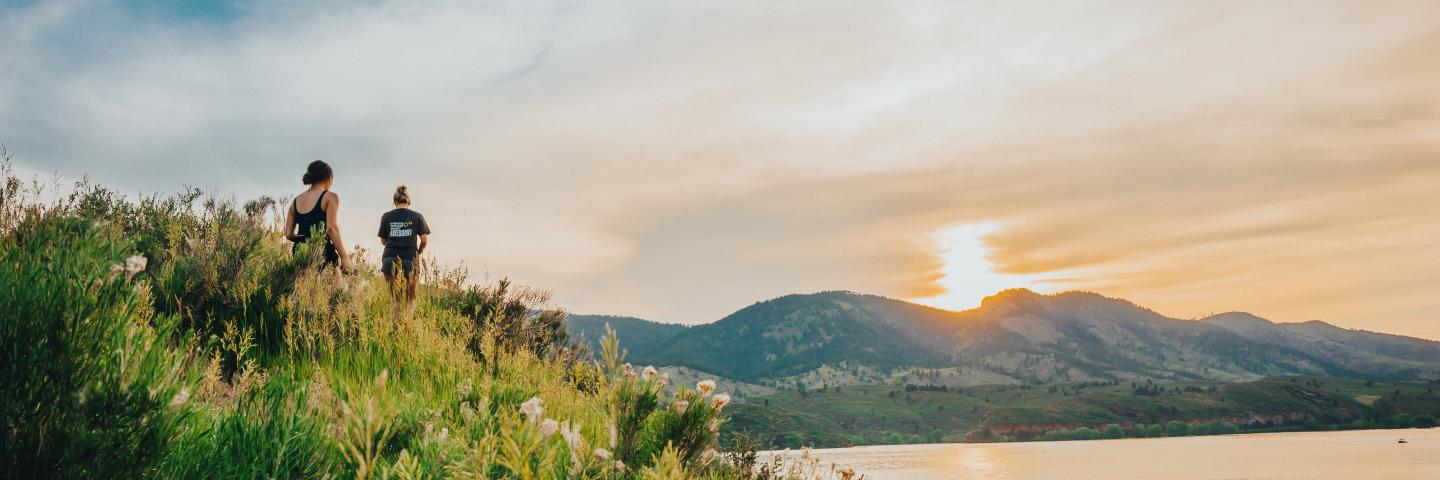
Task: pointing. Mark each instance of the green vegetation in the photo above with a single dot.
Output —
(883, 414)
(179, 338)
(1014, 337)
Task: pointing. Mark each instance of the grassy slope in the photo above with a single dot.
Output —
(869, 414)
(222, 355)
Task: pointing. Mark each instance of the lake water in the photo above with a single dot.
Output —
(1341, 455)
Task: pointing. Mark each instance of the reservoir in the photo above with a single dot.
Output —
(1304, 455)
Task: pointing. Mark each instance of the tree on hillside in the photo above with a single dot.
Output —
(1177, 428)
(1113, 431)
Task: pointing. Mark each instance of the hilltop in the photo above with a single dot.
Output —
(1015, 337)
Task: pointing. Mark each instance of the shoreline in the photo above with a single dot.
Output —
(924, 446)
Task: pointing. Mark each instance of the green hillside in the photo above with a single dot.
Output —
(1018, 337)
(882, 414)
(641, 338)
(178, 337)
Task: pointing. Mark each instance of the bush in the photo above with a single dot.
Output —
(88, 371)
(1176, 428)
(1113, 431)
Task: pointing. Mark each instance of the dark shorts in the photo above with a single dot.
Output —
(406, 264)
(332, 256)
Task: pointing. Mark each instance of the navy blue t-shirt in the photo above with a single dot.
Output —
(401, 228)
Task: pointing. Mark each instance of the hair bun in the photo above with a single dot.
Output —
(401, 190)
(318, 171)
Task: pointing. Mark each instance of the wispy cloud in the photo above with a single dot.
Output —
(679, 160)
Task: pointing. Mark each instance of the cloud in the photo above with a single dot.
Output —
(680, 160)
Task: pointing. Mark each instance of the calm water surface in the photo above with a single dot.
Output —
(1341, 455)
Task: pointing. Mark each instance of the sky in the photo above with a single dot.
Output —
(677, 161)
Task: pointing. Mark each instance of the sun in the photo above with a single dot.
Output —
(967, 276)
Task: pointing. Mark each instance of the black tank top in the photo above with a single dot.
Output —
(309, 220)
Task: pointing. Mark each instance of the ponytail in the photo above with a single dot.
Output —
(402, 195)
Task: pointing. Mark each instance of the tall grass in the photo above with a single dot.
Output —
(178, 337)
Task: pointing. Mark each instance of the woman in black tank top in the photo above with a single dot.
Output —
(321, 207)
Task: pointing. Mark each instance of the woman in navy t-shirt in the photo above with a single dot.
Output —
(404, 234)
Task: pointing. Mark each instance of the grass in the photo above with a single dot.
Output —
(178, 337)
(887, 414)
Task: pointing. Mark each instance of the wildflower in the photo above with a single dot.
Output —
(619, 466)
(681, 406)
(532, 409)
(664, 379)
(548, 427)
(721, 400)
(602, 454)
(705, 387)
(444, 433)
(180, 398)
(464, 389)
(629, 370)
(134, 265)
(649, 373)
(571, 433)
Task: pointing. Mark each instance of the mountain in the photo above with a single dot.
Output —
(1015, 336)
(639, 337)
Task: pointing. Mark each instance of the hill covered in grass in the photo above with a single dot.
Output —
(1016, 337)
(178, 337)
(884, 414)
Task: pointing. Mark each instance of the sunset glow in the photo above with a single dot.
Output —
(968, 275)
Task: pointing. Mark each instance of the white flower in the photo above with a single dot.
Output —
(444, 433)
(705, 387)
(681, 406)
(180, 398)
(721, 400)
(664, 379)
(571, 433)
(602, 454)
(548, 427)
(533, 408)
(134, 265)
(649, 373)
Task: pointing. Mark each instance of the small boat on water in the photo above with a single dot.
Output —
(1402, 441)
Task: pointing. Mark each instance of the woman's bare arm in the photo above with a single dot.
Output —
(333, 230)
(424, 240)
(290, 225)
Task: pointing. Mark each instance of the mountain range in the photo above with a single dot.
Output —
(1015, 336)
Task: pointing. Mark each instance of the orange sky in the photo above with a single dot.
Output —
(678, 160)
